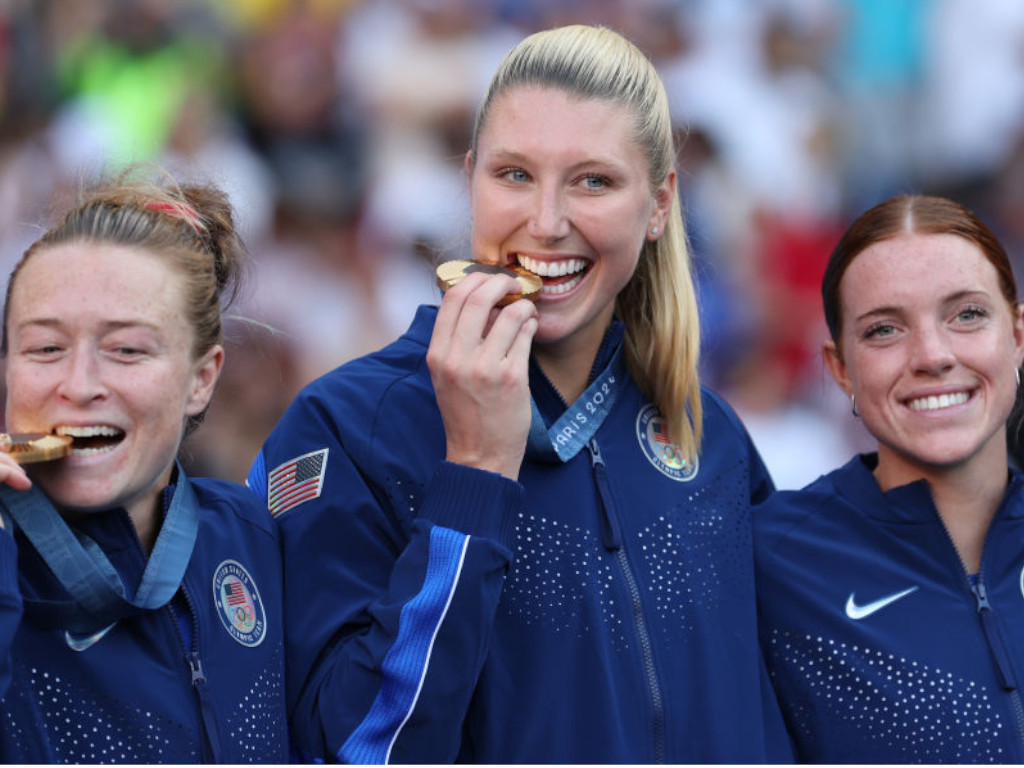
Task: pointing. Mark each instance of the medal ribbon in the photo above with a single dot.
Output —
(581, 420)
(98, 594)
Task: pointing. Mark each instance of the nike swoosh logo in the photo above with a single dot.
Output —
(82, 643)
(858, 612)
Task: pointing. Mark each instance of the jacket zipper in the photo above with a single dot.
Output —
(212, 751)
(612, 535)
(990, 627)
(997, 648)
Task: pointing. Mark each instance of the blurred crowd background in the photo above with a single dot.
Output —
(338, 127)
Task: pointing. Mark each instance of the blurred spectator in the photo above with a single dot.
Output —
(339, 129)
(252, 393)
(878, 61)
(973, 81)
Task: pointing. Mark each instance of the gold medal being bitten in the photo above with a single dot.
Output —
(28, 448)
(450, 273)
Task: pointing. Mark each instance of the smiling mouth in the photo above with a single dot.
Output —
(91, 439)
(558, 276)
(938, 402)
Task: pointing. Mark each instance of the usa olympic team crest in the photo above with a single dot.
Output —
(667, 458)
(238, 604)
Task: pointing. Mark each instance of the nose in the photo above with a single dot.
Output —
(932, 351)
(83, 380)
(549, 221)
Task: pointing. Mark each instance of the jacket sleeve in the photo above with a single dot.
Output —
(10, 605)
(761, 483)
(387, 623)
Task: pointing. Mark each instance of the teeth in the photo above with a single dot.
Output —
(97, 431)
(89, 451)
(558, 268)
(935, 402)
(554, 290)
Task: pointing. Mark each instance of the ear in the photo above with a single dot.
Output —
(469, 165)
(204, 378)
(836, 367)
(663, 197)
(1018, 335)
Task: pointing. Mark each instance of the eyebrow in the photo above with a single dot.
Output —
(511, 155)
(952, 298)
(107, 325)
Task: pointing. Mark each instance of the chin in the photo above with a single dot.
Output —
(78, 497)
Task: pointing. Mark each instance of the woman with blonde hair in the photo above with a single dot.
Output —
(521, 532)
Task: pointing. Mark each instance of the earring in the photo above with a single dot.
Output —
(1016, 372)
(853, 406)
(655, 230)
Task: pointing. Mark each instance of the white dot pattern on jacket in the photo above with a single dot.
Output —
(85, 726)
(557, 574)
(82, 727)
(920, 713)
(682, 561)
(257, 722)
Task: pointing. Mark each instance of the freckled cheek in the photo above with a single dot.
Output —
(26, 399)
(25, 385)
(873, 377)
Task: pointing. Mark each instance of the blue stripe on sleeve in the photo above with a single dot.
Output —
(406, 663)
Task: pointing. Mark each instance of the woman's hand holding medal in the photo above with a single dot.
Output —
(18, 449)
(479, 363)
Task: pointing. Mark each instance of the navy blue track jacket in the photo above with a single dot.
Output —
(599, 610)
(199, 682)
(882, 647)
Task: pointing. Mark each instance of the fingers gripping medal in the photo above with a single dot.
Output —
(451, 272)
(28, 448)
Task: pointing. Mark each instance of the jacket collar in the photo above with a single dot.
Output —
(911, 503)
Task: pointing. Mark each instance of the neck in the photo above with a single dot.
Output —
(147, 526)
(146, 512)
(966, 497)
(568, 373)
(567, 362)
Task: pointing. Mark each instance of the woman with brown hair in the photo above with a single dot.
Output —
(892, 589)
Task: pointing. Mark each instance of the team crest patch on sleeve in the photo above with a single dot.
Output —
(665, 456)
(238, 603)
(296, 481)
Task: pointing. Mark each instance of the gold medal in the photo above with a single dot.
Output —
(450, 273)
(27, 448)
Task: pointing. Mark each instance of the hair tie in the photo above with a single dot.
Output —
(178, 210)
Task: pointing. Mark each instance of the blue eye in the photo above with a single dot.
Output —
(515, 175)
(971, 313)
(596, 182)
(881, 330)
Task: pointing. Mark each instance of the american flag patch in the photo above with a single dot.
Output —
(296, 481)
(235, 593)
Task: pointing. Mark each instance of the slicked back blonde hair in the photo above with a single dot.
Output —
(659, 304)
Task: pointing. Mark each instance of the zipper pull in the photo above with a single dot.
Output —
(994, 637)
(981, 596)
(213, 750)
(196, 665)
(610, 532)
